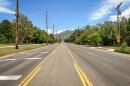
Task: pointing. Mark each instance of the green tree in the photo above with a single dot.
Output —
(6, 31)
(94, 39)
(26, 30)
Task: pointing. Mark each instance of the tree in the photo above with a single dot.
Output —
(25, 29)
(94, 39)
(108, 33)
(39, 35)
(7, 32)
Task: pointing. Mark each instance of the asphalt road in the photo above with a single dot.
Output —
(103, 68)
(13, 69)
(66, 65)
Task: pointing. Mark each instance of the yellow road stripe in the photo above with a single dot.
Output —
(81, 74)
(84, 75)
(71, 55)
(25, 84)
(81, 77)
(26, 78)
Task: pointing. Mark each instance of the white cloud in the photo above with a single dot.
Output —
(49, 31)
(125, 13)
(60, 31)
(106, 8)
(4, 7)
(6, 10)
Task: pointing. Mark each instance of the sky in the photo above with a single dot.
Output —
(65, 14)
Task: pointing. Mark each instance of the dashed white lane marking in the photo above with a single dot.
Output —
(90, 53)
(28, 53)
(53, 52)
(44, 52)
(33, 58)
(7, 59)
(11, 77)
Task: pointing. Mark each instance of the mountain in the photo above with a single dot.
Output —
(66, 34)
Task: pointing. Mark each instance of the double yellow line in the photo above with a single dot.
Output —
(27, 79)
(83, 77)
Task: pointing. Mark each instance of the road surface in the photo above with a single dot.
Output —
(66, 65)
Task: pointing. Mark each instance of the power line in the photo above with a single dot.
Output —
(38, 15)
(37, 6)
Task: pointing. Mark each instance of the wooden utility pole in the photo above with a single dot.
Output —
(17, 25)
(47, 26)
(118, 18)
(118, 23)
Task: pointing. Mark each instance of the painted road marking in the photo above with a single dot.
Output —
(25, 84)
(11, 77)
(83, 77)
(90, 53)
(44, 52)
(33, 58)
(27, 79)
(28, 53)
(53, 51)
(7, 59)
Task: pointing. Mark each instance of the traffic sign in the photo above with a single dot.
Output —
(118, 38)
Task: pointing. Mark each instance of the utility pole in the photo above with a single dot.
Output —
(56, 35)
(53, 29)
(118, 23)
(17, 25)
(78, 35)
(47, 26)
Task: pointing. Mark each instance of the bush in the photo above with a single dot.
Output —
(123, 49)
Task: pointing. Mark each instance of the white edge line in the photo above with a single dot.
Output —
(33, 58)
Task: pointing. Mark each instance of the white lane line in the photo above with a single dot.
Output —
(28, 53)
(44, 52)
(90, 53)
(11, 77)
(7, 59)
(53, 51)
(33, 58)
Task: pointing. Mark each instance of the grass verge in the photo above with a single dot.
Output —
(11, 50)
(3, 45)
(123, 49)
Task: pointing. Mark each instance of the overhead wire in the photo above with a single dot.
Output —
(33, 6)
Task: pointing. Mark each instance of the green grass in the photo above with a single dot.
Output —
(2, 45)
(109, 47)
(123, 49)
(7, 51)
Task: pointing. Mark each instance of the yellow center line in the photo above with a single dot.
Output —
(25, 84)
(83, 77)
(28, 78)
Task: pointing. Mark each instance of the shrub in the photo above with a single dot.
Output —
(123, 49)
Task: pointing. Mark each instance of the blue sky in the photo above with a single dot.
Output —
(65, 14)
